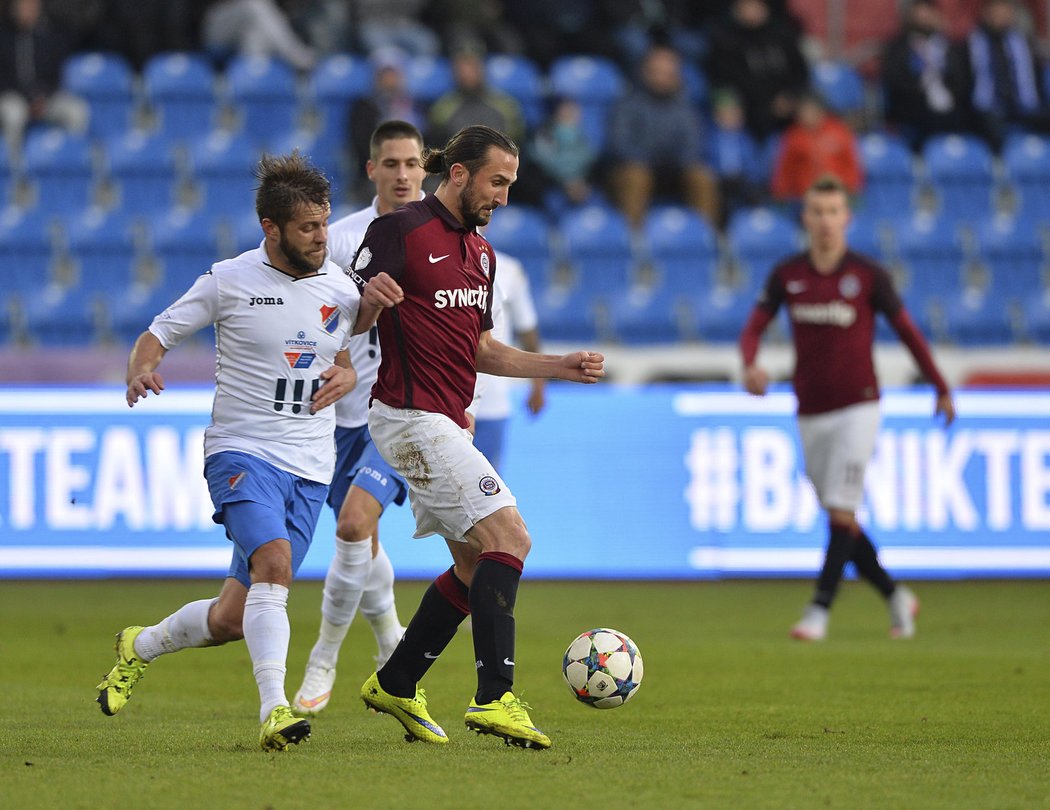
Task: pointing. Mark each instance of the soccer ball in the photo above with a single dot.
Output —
(603, 668)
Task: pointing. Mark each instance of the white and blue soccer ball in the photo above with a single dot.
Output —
(603, 668)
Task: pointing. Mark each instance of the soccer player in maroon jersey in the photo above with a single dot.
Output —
(832, 296)
(434, 339)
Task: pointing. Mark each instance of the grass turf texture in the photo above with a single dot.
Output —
(731, 712)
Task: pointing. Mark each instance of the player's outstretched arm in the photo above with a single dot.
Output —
(379, 293)
(338, 380)
(493, 357)
(145, 356)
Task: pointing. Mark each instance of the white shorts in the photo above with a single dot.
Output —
(451, 484)
(837, 447)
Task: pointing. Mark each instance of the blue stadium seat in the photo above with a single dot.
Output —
(26, 245)
(335, 84)
(427, 77)
(1036, 313)
(103, 249)
(960, 170)
(246, 233)
(185, 244)
(1011, 249)
(105, 82)
(889, 176)
(974, 317)
(180, 89)
(931, 251)
(864, 235)
(59, 165)
(683, 248)
(145, 170)
(322, 151)
(132, 311)
(721, 313)
(840, 85)
(1026, 161)
(60, 316)
(759, 238)
(594, 82)
(597, 243)
(222, 165)
(651, 315)
(524, 233)
(263, 91)
(567, 313)
(519, 77)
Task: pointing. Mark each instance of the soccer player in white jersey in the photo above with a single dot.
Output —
(360, 574)
(283, 317)
(513, 316)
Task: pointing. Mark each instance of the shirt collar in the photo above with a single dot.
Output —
(439, 209)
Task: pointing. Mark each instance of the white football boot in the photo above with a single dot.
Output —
(904, 607)
(813, 626)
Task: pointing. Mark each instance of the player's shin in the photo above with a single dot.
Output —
(185, 628)
(344, 585)
(441, 611)
(267, 632)
(493, 592)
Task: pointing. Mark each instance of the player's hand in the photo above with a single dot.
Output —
(945, 407)
(583, 367)
(337, 381)
(382, 291)
(756, 381)
(141, 383)
(537, 399)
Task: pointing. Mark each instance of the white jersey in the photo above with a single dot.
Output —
(274, 335)
(517, 314)
(344, 238)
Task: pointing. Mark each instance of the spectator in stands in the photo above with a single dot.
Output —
(759, 58)
(138, 29)
(734, 156)
(31, 55)
(563, 153)
(637, 25)
(464, 22)
(393, 23)
(389, 101)
(472, 101)
(1005, 77)
(254, 28)
(655, 132)
(817, 144)
(923, 77)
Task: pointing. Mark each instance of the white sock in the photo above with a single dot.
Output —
(186, 627)
(266, 632)
(343, 585)
(377, 605)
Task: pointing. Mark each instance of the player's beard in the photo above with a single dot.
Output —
(475, 215)
(302, 263)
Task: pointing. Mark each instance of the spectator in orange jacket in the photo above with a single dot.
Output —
(817, 143)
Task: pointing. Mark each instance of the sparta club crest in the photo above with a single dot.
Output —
(488, 485)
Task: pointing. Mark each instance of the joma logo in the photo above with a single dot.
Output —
(266, 300)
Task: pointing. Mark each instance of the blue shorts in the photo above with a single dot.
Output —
(359, 463)
(257, 503)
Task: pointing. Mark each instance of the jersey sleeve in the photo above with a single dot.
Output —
(772, 294)
(487, 318)
(198, 307)
(884, 296)
(382, 251)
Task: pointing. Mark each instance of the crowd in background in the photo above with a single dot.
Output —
(760, 132)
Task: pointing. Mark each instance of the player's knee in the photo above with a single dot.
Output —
(516, 541)
(225, 626)
(354, 525)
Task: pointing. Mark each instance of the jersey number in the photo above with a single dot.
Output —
(280, 396)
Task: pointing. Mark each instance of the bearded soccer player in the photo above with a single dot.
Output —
(360, 574)
(283, 316)
(434, 341)
(832, 296)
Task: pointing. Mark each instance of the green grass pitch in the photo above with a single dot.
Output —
(731, 713)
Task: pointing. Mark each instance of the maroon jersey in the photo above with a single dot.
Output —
(833, 327)
(429, 341)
